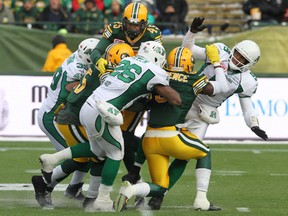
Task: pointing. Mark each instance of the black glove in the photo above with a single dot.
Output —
(259, 132)
(196, 25)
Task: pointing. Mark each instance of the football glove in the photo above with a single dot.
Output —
(196, 25)
(213, 54)
(101, 65)
(259, 132)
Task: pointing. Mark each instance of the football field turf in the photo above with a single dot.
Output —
(247, 179)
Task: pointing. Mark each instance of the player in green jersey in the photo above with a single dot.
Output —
(134, 29)
(162, 138)
(69, 125)
(100, 115)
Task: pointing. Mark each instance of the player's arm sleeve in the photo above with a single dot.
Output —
(248, 112)
(220, 85)
(199, 53)
(99, 49)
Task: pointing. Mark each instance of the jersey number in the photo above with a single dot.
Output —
(83, 82)
(126, 72)
(56, 77)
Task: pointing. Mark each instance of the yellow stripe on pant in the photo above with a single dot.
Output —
(71, 137)
(161, 143)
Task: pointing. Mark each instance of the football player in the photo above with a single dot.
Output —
(69, 125)
(162, 138)
(64, 79)
(237, 63)
(134, 29)
(101, 117)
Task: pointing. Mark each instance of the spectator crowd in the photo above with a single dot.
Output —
(92, 16)
(88, 16)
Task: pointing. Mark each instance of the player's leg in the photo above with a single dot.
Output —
(105, 141)
(48, 126)
(158, 168)
(131, 142)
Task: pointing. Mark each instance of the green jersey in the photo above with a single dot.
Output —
(162, 113)
(89, 82)
(115, 33)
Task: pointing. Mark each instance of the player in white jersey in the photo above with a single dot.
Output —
(236, 63)
(65, 78)
(100, 115)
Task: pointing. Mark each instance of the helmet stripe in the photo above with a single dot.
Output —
(135, 11)
(178, 56)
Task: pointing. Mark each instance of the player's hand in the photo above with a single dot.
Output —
(196, 25)
(259, 132)
(213, 54)
(101, 65)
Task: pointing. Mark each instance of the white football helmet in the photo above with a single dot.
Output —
(154, 52)
(85, 48)
(249, 50)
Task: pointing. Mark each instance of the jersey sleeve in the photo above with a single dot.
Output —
(200, 83)
(160, 77)
(108, 37)
(249, 85)
(155, 32)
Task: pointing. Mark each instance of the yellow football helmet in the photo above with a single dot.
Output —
(115, 52)
(180, 59)
(135, 19)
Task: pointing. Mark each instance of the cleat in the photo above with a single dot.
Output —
(139, 201)
(205, 205)
(75, 192)
(155, 203)
(48, 162)
(214, 208)
(120, 202)
(132, 178)
(125, 193)
(42, 196)
(105, 205)
(88, 204)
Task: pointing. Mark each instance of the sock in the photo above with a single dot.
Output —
(57, 176)
(94, 185)
(202, 180)
(110, 171)
(104, 192)
(142, 189)
(175, 171)
(78, 177)
(140, 156)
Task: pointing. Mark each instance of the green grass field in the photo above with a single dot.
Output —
(246, 180)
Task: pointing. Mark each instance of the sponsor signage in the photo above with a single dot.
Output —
(25, 94)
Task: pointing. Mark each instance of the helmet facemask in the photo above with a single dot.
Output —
(133, 29)
(244, 56)
(135, 19)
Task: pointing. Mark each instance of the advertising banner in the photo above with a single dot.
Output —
(21, 97)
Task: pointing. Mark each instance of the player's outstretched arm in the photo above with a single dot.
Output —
(169, 93)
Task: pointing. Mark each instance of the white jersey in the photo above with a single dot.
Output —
(71, 70)
(244, 84)
(134, 77)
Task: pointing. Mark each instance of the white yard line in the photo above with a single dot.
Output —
(29, 187)
(243, 209)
